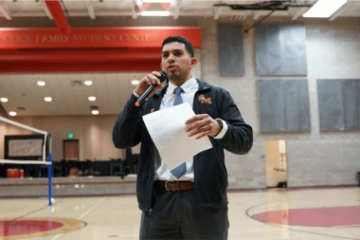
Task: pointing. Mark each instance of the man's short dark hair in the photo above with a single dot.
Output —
(188, 46)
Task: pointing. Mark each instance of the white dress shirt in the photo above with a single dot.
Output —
(190, 87)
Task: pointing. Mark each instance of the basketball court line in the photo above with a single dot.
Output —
(84, 214)
(26, 214)
(350, 226)
(290, 228)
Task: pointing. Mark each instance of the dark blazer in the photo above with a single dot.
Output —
(209, 167)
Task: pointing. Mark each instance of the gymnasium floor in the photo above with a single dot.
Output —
(303, 214)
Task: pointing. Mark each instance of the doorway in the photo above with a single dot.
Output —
(276, 163)
(71, 149)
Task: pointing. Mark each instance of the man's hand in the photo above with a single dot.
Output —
(202, 125)
(148, 80)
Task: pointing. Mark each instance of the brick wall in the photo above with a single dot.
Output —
(332, 158)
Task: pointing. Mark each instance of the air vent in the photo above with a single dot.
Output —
(76, 83)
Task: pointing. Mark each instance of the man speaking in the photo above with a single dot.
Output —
(189, 201)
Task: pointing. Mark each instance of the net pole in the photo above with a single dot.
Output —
(47, 136)
(50, 172)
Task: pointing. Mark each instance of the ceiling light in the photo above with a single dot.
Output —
(48, 99)
(155, 13)
(88, 82)
(324, 8)
(41, 83)
(95, 112)
(92, 98)
(135, 82)
(4, 99)
(12, 113)
(157, 1)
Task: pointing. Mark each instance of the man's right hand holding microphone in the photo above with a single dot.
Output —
(149, 85)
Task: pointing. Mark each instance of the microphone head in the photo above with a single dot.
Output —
(163, 76)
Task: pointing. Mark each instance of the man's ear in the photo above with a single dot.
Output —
(161, 65)
(193, 62)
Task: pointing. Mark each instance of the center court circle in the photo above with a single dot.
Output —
(37, 227)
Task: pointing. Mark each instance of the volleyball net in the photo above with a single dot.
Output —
(24, 149)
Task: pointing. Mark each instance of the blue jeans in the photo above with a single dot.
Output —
(177, 215)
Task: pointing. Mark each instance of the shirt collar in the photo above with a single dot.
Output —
(186, 86)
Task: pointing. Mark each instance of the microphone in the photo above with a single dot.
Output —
(143, 96)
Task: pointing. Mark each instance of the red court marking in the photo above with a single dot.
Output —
(19, 227)
(313, 217)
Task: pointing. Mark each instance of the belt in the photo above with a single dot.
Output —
(176, 185)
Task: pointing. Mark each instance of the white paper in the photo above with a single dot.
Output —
(167, 129)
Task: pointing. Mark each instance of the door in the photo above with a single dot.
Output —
(276, 163)
(71, 149)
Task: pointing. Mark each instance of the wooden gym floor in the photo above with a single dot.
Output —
(301, 214)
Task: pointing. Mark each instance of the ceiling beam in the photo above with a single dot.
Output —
(247, 13)
(301, 11)
(177, 8)
(58, 15)
(343, 9)
(135, 8)
(218, 12)
(257, 15)
(46, 10)
(4, 11)
(90, 9)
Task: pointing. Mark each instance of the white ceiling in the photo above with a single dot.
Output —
(111, 90)
(94, 8)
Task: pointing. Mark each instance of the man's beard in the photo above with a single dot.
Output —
(174, 75)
